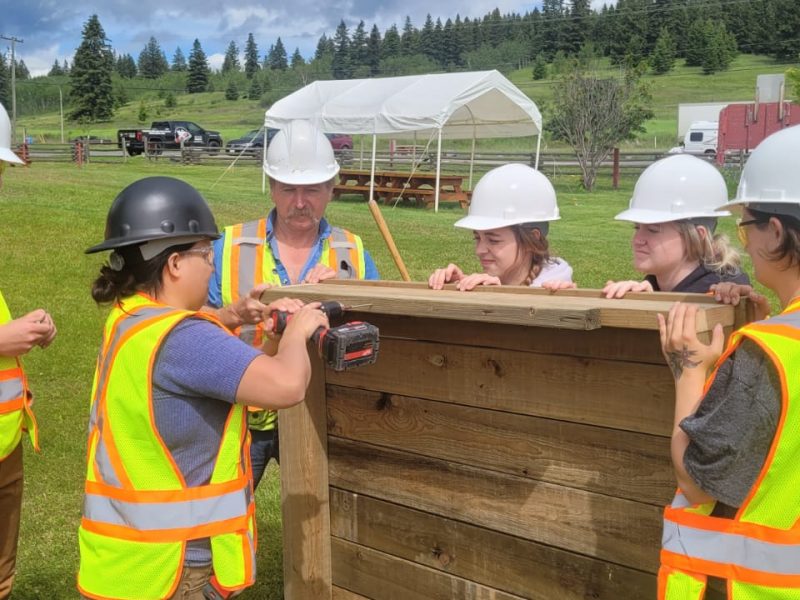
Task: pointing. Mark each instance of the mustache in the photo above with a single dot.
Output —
(303, 213)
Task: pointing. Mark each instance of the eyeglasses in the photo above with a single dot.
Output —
(207, 252)
(742, 232)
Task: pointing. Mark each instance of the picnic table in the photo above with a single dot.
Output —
(418, 187)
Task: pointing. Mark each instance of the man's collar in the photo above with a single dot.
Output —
(324, 226)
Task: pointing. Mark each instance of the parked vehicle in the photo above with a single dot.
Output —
(700, 139)
(252, 142)
(168, 135)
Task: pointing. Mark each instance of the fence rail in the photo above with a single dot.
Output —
(551, 163)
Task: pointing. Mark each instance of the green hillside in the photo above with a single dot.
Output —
(233, 118)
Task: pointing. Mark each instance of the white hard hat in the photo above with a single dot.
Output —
(676, 188)
(5, 139)
(300, 154)
(771, 178)
(510, 195)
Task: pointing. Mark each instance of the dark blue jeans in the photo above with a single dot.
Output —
(263, 447)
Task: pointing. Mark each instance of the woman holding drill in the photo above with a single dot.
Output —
(169, 496)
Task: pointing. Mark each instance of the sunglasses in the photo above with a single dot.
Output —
(742, 232)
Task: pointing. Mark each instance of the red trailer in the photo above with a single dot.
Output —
(744, 126)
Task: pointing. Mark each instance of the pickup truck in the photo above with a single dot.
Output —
(167, 135)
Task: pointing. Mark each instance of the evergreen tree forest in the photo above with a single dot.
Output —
(648, 35)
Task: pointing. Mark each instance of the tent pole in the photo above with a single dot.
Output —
(472, 154)
(414, 152)
(538, 146)
(372, 167)
(361, 157)
(438, 170)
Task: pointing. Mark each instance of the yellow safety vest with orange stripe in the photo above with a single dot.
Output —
(138, 512)
(247, 261)
(758, 551)
(16, 414)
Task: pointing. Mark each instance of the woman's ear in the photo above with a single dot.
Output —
(703, 232)
(537, 233)
(776, 230)
(173, 264)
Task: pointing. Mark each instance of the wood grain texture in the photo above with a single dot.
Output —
(629, 396)
(381, 576)
(607, 461)
(607, 528)
(304, 493)
(497, 560)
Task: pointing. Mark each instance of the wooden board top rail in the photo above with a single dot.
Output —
(568, 309)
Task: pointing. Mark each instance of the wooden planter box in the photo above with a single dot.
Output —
(509, 443)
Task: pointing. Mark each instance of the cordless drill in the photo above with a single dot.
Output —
(344, 347)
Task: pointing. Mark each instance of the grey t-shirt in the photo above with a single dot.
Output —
(732, 431)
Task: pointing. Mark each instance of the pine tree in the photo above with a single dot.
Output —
(540, 67)
(251, 65)
(374, 51)
(255, 91)
(277, 57)
(5, 87)
(390, 47)
(426, 42)
(126, 66)
(142, 116)
(358, 46)
(55, 70)
(231, 60)
(297, 59)
(92, 93)
(231, 92)
(178, 60)
(409, 43)
(341, 66)
(21, 71)
(65, 67)
(152, 62)
(197, 77)
(720, 48)
(663, 58)
(322, 48)
(696, 40)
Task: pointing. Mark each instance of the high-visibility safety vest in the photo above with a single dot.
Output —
(138, 512)
(16, 414)
(247, 261)
(757, 551)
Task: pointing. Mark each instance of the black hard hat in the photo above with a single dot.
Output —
(157, 208)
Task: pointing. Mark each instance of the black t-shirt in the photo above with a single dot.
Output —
(700, 280)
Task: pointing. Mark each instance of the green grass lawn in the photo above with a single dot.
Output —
(51, 212)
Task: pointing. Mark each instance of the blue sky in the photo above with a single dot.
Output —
(52, 28)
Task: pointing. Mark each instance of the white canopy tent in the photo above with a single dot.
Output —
(479, 104)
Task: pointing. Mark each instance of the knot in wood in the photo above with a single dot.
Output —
(437, 360)
(442, 557)
(495, 366)
(384, 402)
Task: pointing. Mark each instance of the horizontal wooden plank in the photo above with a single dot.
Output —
(611, 529)
(629, 396)
(498, 560)
(343, 594)
(500, 308)
(607, 461)
(635, 345)
(380, 576)
(635, 311)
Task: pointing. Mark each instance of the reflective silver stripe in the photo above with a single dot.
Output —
(124, 324)
(340, 245)
(155, 516)
(247, 258)
(10, 390)
(792, 319)
(252, 241)
(731, 548)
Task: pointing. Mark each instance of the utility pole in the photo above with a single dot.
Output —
(13, 41)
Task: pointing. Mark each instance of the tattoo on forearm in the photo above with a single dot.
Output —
(681, 359)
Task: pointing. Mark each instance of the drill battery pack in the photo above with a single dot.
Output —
(350, 345)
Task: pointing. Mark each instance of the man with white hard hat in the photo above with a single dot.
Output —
(293, 244)
(17, 337)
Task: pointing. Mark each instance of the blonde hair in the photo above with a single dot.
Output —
(528, 241)
(712, 251)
